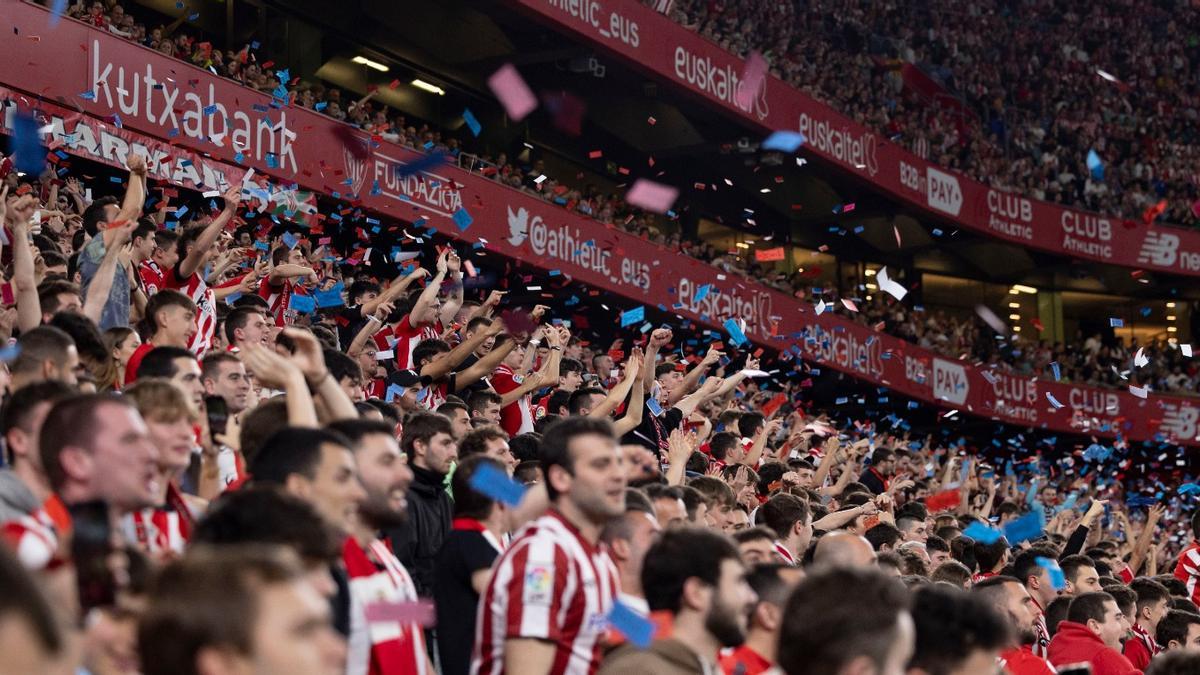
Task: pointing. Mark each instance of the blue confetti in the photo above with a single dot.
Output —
(304, 304)
(427, 162)
(495, 484)
(1024, 528)
(462, 219)
(736, 336)
(29, 155)
(982, 533)
(1116, 323)
(632, 316)
(636, 628)
(701, 292)
(784, 141)
(469, 118)
(1057, 579)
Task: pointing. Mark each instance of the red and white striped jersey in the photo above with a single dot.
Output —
(1187, 570)
(783, 552)
(159, 533)
(278, 297)
(206, 307)
(152, 276)
(33, 538)
(550, 585)
(408, 336)
(380, 647)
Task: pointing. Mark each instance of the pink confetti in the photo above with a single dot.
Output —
(753, 77)
(896, 231)
(419, 612)
(652, 196)
(849, 304)
(512, 91)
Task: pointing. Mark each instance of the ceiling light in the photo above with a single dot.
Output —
(1171, 329)
(1016, 329)
(1171, 305)
(872, 287)
(1013, 291)
(1015, 317)
(1170, 318)
(1024, 289)
(1014, 305)
(431, 88)
(364, 61)
(870, 273)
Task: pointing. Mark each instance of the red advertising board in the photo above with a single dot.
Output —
(190, 148)
(654, 43)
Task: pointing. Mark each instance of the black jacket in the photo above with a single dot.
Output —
(417, 542)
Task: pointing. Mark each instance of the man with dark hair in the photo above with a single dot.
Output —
(223, 374)
(24, 487)
(1081, 575)
(1009, 597)
(585, 481)
(956, 632)
(883, 537)
(628, 537)
(429, 444)
(171, 320)
(316, 465)
(991, 557)
(346, 372)
(485, 405)
(790, 519)
(841, 620)
(58, 295)
(491, 441)
(97, 447)
(1036, 580)
(584, 400)
(1178, 631)
(1092, 632)
(46, 353)
(879, 473)
(374, 571)
(756, 545)
(163, 258)
(951, 572)
(178, 365)
(230, 610)
(938, 549)
(1152, 604)
(460, 418)
(196, 247)
(771, 583)
(912, 527)
(669, 509)
(246, 326)
(464, 563)
(1187, 569)
(722, 444)
(697, 577)
(264, 515)
(718, 496)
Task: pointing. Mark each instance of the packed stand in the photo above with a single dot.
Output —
(1022, 100)
(292, 467)
(524, 174)
(1092, 360)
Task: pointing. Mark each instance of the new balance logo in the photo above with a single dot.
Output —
(1159, 249)
(1179, 421)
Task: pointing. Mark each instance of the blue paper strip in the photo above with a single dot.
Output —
(495, 484)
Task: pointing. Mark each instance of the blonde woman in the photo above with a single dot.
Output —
(163, 531)
(121, 342)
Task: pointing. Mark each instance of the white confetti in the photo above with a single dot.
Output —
(890, 287)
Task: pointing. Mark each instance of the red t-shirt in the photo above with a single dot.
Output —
(408, 336)
(744, 661)
(277, 296)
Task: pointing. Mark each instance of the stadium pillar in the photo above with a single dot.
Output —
(1050, 313)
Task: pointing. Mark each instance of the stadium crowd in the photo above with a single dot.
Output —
(1026, 97)
(239, 444)
(373, 472)
(1094, 360)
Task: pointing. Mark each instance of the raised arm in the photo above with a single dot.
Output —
(277, 372)
(620, 391)
(394, 291)
(429, 295)
(29, 307)
(454, 302)
(135, 196)
(693, 376)
(632, 418)
(658, 339)
(751, 458)
(98, 290)
(689, 402)
(208, 238)
(442, 367)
